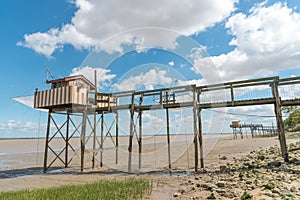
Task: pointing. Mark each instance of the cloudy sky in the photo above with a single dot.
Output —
(143, 45)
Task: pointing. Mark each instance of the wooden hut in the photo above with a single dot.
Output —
(64, 92)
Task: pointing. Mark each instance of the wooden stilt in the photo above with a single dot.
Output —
(195, 129)
(47, 141)
(95, 121)
(82, 138)
(117, 137)
(140, 139)
(168, 138)
(94, 140)
(140, 132)
(280, 126)
(200, 133)
(131, 133)
(101, 139)
(67, 140)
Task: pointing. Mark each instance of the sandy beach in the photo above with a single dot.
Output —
(21, 161)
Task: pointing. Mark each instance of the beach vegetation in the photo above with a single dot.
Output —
(132, 188)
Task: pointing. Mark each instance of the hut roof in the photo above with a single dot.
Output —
(72, 78)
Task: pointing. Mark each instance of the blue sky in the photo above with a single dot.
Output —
(239, 39)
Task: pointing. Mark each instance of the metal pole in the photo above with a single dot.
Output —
(47, 141)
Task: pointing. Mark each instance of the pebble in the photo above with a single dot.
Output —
(221, 184)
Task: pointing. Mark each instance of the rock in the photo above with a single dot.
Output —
(297, 162)
(182, 190)
(269, 186)
(211, 196)
(293, 189)
(208, 186)
(269, 194)
(276, 191)
(176, 194)
(221, 191)
(293, 160)
(223, 158)
(223, 168)
(274, 164)
(221, 184)
(261, 157)
(296, 171)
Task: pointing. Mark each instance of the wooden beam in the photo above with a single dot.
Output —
(280, 126)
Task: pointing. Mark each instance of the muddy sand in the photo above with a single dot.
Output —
(21, 162)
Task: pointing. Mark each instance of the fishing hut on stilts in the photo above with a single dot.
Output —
(77, 96)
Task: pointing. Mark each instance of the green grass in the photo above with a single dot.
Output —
(105, 189)
(292, 136)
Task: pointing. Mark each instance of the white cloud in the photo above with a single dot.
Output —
(171, 63)
(104, 76)
(266, 40)
(97, 20)
(148, 80)
(18, 126)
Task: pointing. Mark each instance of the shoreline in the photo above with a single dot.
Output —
(24, 171)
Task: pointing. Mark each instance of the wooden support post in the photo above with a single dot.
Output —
(101, 139)
(168, 138)
(94, 140)
(82, 137)
(232, 95)
(280, 126)
(131, 132)
(95, 122)
(200, 133)
(67, 140)
(47, 141)
(140, 138)
(117, 137)
(140, 132)
(161, 99)
(195, 128)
